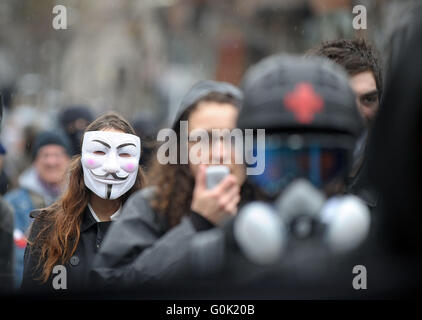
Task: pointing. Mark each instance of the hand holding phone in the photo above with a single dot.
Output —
(216, 193)
(215, 174)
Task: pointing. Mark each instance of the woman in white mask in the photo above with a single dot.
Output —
(65, 236)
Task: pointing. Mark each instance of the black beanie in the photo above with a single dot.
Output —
(50, 137)
(72, 113)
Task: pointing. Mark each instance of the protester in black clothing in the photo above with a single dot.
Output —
(361, 61)
(308, 110)
(396, 156)
(391, 256)
(70, 231)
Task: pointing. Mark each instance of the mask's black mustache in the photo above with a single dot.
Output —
(109, 186)
(114, 175)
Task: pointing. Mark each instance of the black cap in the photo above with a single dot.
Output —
(50, 137)
(75, 112)
(285, 92)
(203, 88)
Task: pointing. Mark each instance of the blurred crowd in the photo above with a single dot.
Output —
(342, 100)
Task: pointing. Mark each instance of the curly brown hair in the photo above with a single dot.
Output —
(59, 235)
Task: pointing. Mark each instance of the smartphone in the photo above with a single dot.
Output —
(215, 174)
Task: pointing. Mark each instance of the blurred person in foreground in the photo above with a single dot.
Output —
(361, 61)
(280, 247)
(395, 158)
(73, 121)
(149, 244)
(39, 186)
(389, 260)
(390, 257)
(70, 231)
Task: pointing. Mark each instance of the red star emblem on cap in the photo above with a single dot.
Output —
(304, 102)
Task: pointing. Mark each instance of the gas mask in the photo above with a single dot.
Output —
(110, 162)
(298, 170)
(262, 230)
(297, 210)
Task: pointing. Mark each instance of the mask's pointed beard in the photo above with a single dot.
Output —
(109, 191)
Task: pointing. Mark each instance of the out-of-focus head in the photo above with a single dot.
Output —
(361, 61)
(51, 152)
(308, 110)
(146, 127)
(74, 120)
(212, 105)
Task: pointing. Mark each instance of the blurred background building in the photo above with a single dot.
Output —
(139, 57)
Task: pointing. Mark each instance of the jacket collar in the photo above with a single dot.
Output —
(87, 220)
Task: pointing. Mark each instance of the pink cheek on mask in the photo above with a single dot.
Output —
(130, 167)
(90, 163)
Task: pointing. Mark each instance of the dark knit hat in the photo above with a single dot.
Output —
(203, 88)
(285, 92)
(75, 112)
(50, 137)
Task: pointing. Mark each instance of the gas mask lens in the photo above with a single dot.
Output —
(292, 157)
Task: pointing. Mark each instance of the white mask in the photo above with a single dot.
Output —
(110, 162)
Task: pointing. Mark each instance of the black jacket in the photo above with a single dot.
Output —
(91, 238)
(141, 249)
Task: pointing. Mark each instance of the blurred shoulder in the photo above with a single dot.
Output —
(16, 195)
(5, 207)
(140, 199)
(138, 208)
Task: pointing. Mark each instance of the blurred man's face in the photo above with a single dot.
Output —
(365, 88)
(209, 116)
(51, 163)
